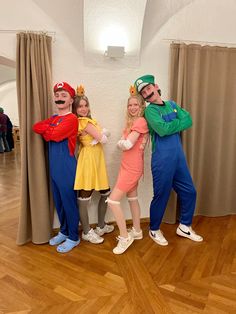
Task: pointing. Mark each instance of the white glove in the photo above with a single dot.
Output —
(106, 132)
(94, 142)
(104, 139)
(125, 144)
(119, 143)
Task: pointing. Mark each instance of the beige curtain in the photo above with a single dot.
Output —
(203, 81)
(35, 103)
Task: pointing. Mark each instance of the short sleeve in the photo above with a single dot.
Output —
(140, 126)
(83, 123)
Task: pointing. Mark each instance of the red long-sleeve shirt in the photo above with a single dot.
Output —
(58, 128)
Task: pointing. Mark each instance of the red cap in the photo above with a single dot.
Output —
(65, 86)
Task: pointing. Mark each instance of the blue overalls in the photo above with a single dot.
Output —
(62, 171)
(170, 170)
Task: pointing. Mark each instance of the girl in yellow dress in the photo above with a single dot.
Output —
(91, 171)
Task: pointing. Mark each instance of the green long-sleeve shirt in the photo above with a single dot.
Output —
(154, 115)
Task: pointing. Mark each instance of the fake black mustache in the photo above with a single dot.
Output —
(60, 102)
(149, 96)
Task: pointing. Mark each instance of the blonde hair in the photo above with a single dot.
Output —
(77, 102)
(130, 119)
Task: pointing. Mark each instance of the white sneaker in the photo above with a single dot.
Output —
(158, 237)
(123, 244)
(188, 232)
(105, 229)
(92, 237)
(137, 235)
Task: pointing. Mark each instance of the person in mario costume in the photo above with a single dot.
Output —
(169, 167)
(60, 131)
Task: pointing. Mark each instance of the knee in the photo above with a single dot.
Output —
(105, 193)
(112, 202)
(83, 202)
(132, 199)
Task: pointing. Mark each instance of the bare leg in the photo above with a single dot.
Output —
(114, 204)
(135, 209)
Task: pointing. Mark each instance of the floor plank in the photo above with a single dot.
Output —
(184, 277)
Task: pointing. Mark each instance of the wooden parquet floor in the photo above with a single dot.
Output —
(184, 277)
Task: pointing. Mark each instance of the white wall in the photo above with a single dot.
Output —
(107, 87)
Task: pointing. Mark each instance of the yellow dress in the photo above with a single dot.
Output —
(91, 167)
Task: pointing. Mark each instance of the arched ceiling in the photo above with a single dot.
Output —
(157, 13)
(7, 70)
(69, 15)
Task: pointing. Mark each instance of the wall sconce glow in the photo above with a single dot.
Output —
(115, 52)
(113, 23)
(113, 36)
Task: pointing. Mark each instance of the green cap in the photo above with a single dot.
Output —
(1, 110)
(143, 81)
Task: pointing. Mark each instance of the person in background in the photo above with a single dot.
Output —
(169, 167)
(60, 131)
(9, 135)
(91, 173)
(4, 147)
(132, 143)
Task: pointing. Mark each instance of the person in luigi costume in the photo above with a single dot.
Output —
(168, 164)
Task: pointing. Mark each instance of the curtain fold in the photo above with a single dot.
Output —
(203, 81)
(33, 71)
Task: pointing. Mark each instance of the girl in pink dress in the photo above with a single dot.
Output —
(132, 143)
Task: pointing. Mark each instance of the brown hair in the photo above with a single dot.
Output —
(76, 103)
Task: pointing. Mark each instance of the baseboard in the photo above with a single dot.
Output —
(128, 222)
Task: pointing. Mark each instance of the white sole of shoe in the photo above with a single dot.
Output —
(155, 240)
(102, 233)
(137, 237)
(93, 242)
(118, 253)
(105, 232)
(188, 236)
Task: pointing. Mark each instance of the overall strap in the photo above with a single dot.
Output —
(173, 104)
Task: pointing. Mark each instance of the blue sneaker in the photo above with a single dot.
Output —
(67, 246)
(59, 238)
